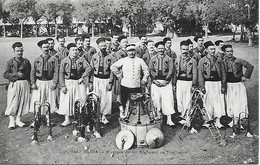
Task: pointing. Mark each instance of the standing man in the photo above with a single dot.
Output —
(168, 51)
(44, 78)
(185, 77)
(121, 53)
(89, 51)
(79, 43)
(115, 46)
(17, 72)
(219, 52)
(199, 51)
(52, 51)
(190, 43)
(141, 49)
(102, 78)
(161, 69)
(73, 78)
(62, 50)
(236, 90)
(130, 69)
(150, 52)
(212, 81)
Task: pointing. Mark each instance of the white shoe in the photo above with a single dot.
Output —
(97, 135)
(81, 139)
(65, 123)
(87, 128)
(11, 125)
(206, 125)
(75, 132)
(233, 135)
(193, 131)
(19, 123)
(248, 134)
(104, 120)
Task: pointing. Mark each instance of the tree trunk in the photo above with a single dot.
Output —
(36, 35)
(4, 30)
(242, 38)
(93, 29)
(206, 30)
(56, 29)
(130, 31)
(21, 33)
(169, 33)
(250, 37)
(234, 34)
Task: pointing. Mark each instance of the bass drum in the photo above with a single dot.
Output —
(140, 130)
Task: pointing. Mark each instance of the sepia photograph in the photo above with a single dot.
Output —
(129, 82)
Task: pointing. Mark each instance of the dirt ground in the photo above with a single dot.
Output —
(198, 148)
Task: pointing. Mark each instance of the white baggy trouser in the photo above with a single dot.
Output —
(162, 98)
(44, 93)
(183, 95)
(18, 98)
(75, 91)
(214, 100)
(236, 99)
(100, 88)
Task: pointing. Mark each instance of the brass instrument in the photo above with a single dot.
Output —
(241, 124)
(39, 119)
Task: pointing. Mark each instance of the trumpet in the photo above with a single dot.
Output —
(38, 120)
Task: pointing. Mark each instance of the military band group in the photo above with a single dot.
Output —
(62, 76)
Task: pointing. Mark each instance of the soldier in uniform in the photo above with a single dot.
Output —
(17, 72)
(89, 50)
(199, 51)
(44, 79)
(141, 49)
(130, 69)
(121, 53)
(212, 81)
(168, 51)
(185, 77)
(161, 69)
(219, 52)
(73, 78)
(191, 52)
(102, 78)
(79, 43)
(236, 90)
(62, 50)
(52, 51)
(115, 46)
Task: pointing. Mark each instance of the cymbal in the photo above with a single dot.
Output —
(124, 139)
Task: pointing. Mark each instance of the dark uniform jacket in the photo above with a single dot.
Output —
(120, 54)
(45, 69)
(147, 57)
(61, 54)
(13, 66)
(234, 69)
(101, 66)
(199, 53)
(53, 52)
(161, 68)
(140, 51)
(82, 67)
(211, 69)
(171, 54)
(88, 53)
(186, 69)
(115, 47)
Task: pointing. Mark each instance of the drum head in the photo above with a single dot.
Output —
(124, 139)
(154, 138)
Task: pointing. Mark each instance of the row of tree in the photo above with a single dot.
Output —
(137, 15)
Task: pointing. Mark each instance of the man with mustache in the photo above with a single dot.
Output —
(141, 49)
(199, 51)
(52, 51)
(102, 78)
(161, 70)
(62, 50)
(168, 51)
(44, 78)
(185, 77)
(73, 78)
(79, 43)
(89, 50)
(17, 72)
